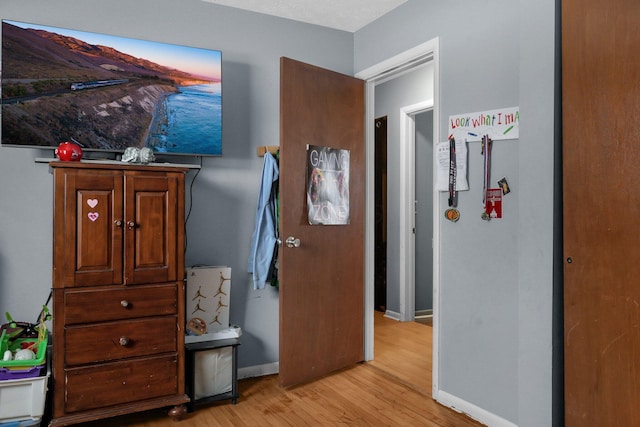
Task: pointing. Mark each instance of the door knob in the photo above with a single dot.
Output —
(292, 242)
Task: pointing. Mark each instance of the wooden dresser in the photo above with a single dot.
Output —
(118, 290)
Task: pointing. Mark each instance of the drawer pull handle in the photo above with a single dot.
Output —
(125, 303)
(124, 341)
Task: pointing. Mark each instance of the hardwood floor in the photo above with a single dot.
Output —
(392, 390)
(404, 350)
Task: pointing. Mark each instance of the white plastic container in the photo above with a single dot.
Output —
(213, 372)
(22, 399)
(24, 423)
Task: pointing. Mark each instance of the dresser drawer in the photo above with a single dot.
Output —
(120, 382)
(118, 340)
(118, 303)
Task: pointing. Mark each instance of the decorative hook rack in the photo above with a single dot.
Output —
(263, 149)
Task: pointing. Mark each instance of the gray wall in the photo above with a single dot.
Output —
(225, 192)
(496, 297)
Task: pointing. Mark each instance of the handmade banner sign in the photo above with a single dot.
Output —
(498, 124)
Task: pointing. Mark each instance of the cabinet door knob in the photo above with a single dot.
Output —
(125, 303)
(124, 341)
(118, 222)
(131, 225)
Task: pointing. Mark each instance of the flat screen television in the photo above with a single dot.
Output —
(108, 93)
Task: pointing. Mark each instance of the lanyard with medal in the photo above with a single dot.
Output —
(486, 152)
(452, 214)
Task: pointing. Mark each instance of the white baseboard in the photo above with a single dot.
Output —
(258, 370)
(423, 313)
(392, 315)
(396, 316)
(473, 411)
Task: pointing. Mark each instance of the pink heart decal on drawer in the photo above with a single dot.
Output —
(93, 216)
(92, 203)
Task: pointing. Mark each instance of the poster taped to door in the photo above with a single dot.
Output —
(327, 185)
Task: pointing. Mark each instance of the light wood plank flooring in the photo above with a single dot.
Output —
(392, 390)
(404, 350)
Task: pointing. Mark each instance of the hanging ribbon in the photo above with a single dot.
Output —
(486, 152)
(452, 214)
(453, 199)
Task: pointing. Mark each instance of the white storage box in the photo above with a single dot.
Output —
(213, 372)
(22, 399)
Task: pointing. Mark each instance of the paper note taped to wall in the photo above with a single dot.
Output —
(442, 159)
(499, 124)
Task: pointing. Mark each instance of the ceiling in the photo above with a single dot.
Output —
(346, 15)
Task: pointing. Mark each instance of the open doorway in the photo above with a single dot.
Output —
(422, 225)
(404, 348)
(400, 99)
(400, 189)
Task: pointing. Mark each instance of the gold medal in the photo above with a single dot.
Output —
(452, 214)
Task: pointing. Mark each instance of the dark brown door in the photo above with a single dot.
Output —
(150, 228)
(380, 209)
(601, 154)
(322, 280)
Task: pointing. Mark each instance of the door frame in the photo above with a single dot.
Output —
(374, 75)
(407, 207)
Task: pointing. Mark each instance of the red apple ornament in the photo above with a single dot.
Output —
(69, 152)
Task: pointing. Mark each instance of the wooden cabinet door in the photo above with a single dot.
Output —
(115, 228)
(87, 228)
(151, 228)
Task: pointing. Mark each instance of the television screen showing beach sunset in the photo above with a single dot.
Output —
(108, 93)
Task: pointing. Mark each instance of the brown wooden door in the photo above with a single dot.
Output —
(322, 281)
(88, 232)
(151, 212)
(601, 153)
